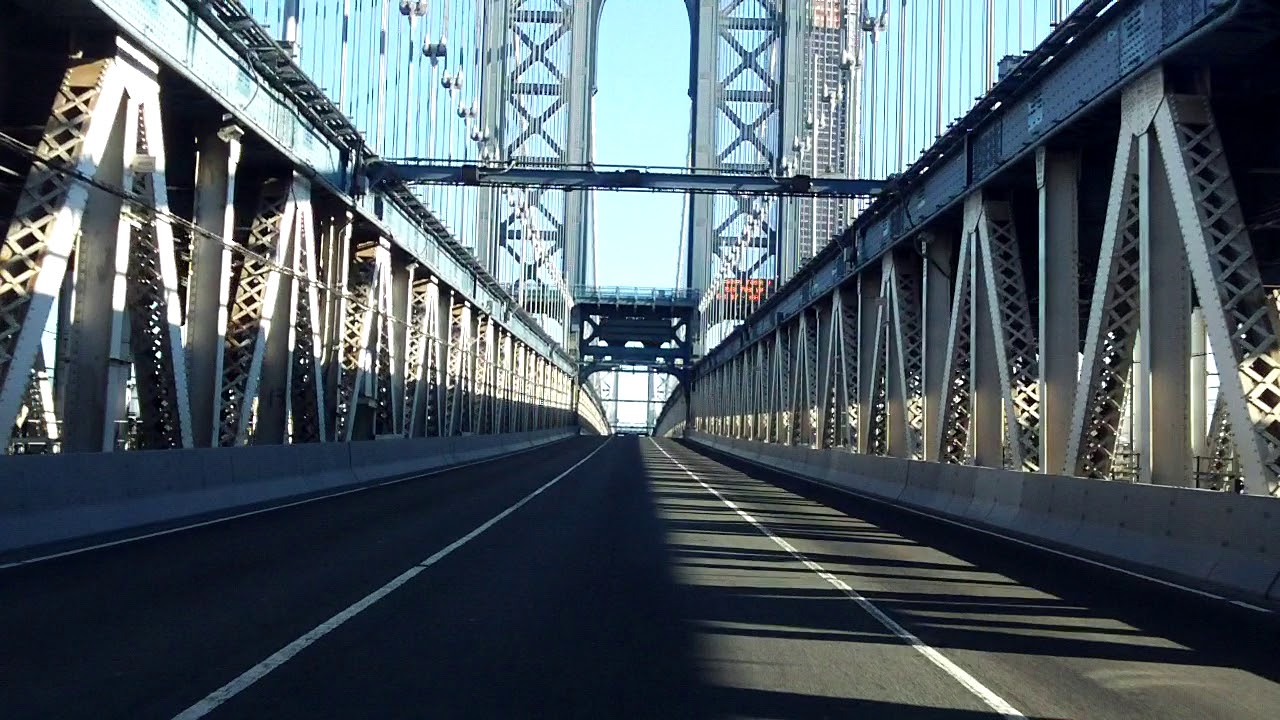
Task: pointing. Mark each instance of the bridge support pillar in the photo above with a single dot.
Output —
(1057, 179)
(1162, 403)
(987, 407)
(869, 356)
(210, 277)
(936, 306)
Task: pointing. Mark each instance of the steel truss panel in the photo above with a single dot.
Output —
(212, 44)
(957, 401)
(878, 390)
(308, 419)
(1016, 345)
(385, 355)
(908, 329)
(154, 312)
(760, 392)
(1241, 318)
(781, 383)
(459, 374)
(1113, 325)
(255, 282)
(46, 220)
(424, 293)
(846, 301)
(51, 215)
(357, 359)
(1071, 76)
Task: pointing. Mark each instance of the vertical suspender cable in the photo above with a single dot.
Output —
(940, 119)
(345, 52)
(988, 67)
(901, 87)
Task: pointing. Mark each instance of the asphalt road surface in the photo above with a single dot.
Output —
(612, 578)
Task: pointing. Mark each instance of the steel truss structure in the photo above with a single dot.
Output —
(952, 351)
(773, 97)
(266, 317)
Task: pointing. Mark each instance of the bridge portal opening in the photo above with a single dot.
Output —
(640, 118)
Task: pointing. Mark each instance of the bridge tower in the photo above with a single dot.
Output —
(774, 89)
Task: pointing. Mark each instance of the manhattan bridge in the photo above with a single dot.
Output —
(964, 400)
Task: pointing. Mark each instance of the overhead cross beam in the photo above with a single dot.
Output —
(624, 180)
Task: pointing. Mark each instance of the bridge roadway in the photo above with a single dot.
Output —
(624, 588)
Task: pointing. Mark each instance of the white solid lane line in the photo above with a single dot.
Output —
(1026, 543)
(970, 683)
(260, 511)
(284, 654)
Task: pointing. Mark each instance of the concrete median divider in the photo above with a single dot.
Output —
(57, 498)
(1216, 541)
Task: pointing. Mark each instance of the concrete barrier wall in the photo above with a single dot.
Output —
(1212, 540)
(53, 498)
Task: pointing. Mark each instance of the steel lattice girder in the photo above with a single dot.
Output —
(1113, 325)
(38, 243)
(1240, 315)
(1016, 345)
(957, 402)
(151, 295)
(307, 412)
(255, 283)
(45, 221)
(905, 287)
(878, 396)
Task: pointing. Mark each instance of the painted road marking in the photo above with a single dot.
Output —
(992, 700)
(1026, 543)
(284, 654)
(259, 511)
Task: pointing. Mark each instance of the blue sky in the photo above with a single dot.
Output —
(642, 118)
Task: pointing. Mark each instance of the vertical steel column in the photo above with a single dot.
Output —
(908, 351)
(1057, 180)
(400, 303)
(781, 384)
(936, 307)
(495, 87)
(335, 259)
(1199, 402)
(955, 411)
(269, 404)
(1164, 450)
(386, 353)
(878, 382)
(308, 416)
(702, 239)
(456, 397)
(582, 84)
(358, 369)
(209, 283)
(869, 318)
(828, 372)
(986, 420)
(416, 363)
(256, 280)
